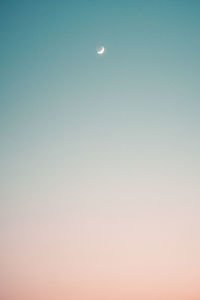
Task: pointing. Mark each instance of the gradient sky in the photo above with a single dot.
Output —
(100, 156)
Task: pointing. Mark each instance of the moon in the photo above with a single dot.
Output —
(101, 50)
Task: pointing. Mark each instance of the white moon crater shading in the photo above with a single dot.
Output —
(100, 50)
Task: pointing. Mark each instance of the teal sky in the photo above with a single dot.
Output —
(115, 136)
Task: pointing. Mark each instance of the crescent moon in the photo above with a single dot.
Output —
(101, 51)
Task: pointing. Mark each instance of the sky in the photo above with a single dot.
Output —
(99, 156)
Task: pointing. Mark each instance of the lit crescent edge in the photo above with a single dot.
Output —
(101, 51)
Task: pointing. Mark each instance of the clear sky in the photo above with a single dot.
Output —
(100, 155)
